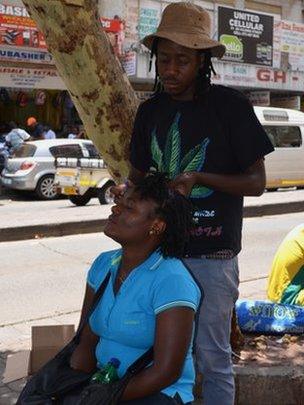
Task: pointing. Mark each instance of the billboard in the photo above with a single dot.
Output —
(18, 29)
(248, 36)
(288, 45)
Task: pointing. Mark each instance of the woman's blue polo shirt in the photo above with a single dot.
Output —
(126, 322)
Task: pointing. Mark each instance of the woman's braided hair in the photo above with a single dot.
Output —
(173, 208)
(203, 80)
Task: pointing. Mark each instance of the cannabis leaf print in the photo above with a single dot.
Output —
(171, 162)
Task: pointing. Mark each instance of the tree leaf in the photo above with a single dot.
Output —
(157, 154)
(195, 158)
(173, 149)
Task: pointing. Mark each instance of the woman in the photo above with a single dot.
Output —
(150, 300)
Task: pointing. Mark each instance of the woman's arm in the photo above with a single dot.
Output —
(172, 339)
(84, 358)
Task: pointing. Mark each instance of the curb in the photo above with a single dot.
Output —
(49, 230)
(276, 385)
(97, 225)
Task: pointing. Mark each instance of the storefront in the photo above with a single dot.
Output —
(29, 82)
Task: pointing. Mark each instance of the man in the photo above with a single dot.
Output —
(209, 141)
(36, 129)
(16, 137)
(286, 280)
(49, 133)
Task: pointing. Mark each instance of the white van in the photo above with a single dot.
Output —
(285, 128)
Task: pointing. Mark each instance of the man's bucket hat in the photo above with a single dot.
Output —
(188, 25)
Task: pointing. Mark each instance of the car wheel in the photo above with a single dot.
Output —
(45, 188)
(80, 200)
(105, 196)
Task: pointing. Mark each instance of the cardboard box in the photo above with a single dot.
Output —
(45, 344)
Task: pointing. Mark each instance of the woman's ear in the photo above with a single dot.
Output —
(158, 226)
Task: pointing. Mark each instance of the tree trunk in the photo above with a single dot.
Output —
(99, 88)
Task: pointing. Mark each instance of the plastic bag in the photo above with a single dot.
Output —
(269, 318)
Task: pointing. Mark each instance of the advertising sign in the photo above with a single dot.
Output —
(251, 76)
(261, 98)
(128, 62)
(18, 29)
(148, 21)
(30, 78)
(24, 55)
(248, 36)
(289, 45)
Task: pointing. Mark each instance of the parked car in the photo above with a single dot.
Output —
(285, 128)
(82, 179)
(32, 166)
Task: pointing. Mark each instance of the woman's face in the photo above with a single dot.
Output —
(132, 220)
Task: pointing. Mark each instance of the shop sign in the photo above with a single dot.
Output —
(18, 29)
(261, 98)
(23, 55)
(289, 45)
(128, 61)
(148, 21)
(248, 36)
(111, 25)
(293, 102)
(250, 76)
(16, 77)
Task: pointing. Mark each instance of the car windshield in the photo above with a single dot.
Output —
(25, 150)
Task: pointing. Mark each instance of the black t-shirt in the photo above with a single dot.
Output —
(219, 134)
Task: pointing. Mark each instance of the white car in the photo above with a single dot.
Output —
(32, 166)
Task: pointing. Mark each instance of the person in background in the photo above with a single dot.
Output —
(211, 144)
(286, 279)
(16, 137)
(49, 133)
(36, 130)
(73, 134)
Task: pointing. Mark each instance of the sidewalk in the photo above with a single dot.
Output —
(16, 338)
(31, 219)
(27, 219)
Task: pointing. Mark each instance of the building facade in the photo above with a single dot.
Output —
(264, 41)
(264, 58)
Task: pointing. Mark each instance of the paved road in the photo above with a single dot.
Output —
(35, 275)
(29, 212)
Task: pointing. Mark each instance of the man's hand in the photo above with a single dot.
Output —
(183, 183)
(120, 189)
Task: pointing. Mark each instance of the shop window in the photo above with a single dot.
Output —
(25, 150)
(284, 136)
(72, 151)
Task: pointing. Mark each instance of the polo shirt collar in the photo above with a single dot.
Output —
(152, 262)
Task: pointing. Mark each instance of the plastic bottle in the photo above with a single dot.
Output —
(107, 374)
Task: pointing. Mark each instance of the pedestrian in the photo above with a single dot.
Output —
(16, 137)
(211, 144)
(36, 130)
(286, 280)
(49, 133)
(73, 133)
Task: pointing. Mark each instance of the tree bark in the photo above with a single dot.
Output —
(99, 88)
